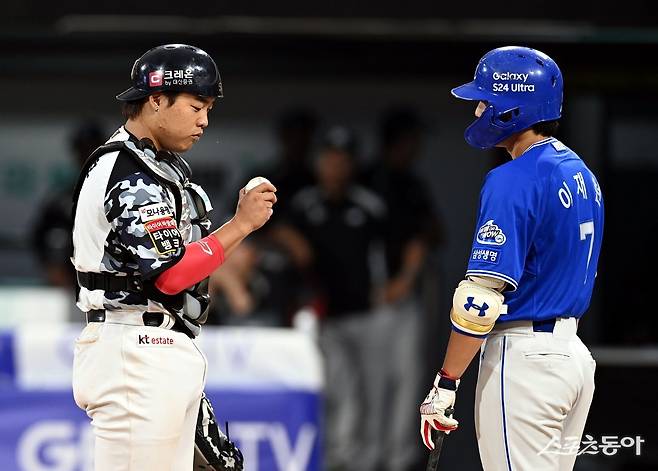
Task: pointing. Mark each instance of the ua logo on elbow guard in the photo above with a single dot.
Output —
(470, 304)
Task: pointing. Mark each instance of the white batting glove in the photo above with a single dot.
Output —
(433, 409)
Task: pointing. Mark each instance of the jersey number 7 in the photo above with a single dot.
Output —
(587, 228)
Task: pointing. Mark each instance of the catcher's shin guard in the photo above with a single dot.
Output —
(213, 451)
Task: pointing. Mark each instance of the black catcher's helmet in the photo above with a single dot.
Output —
(176, 68)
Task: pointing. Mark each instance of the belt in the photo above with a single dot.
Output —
(543, 326)
(110, 282)
(565, 327)
(150, 319)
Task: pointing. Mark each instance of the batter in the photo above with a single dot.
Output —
(530, 276)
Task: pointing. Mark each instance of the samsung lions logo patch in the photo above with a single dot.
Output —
(491, 234)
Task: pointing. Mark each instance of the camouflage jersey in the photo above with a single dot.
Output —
(128, 222)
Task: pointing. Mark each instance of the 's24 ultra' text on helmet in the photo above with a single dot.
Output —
(520, 86)
(176, 68)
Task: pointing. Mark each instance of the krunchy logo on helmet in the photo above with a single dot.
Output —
(520, 87)
(175, 68)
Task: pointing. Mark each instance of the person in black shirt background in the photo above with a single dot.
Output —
(295, 132)
(51, 233)
(263, 287)
(412, 231)
(332, 231)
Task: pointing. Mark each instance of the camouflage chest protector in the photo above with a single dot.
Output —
(192, 207)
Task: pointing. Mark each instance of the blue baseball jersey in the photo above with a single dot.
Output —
(540, 227)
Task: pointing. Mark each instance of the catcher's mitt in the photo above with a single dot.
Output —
(213, 451)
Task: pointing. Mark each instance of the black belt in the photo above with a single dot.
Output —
(543, 326)
(150, 319)
(110, 282)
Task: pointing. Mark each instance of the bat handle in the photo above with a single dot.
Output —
(439, 434)
(437, 440)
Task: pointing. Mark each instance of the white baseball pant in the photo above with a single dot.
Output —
(534, 389)
(141, 386)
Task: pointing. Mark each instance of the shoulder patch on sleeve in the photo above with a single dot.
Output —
(164, 235)
(486, 255)
(491, 234)
(155, 211)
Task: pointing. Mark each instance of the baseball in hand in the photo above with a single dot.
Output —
(254, 182)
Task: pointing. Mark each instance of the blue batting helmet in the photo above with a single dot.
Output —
(520, 86)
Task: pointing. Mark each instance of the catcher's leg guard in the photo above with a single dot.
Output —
(213, 451)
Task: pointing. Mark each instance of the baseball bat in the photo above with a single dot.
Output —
(435, 454)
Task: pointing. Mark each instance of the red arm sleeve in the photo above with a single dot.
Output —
(201, 258)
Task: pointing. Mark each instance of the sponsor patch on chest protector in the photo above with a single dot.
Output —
(155, 211)
(148, 340)
(164, 235)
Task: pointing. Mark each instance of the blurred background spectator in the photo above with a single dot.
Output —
(254, 287)
(51, 233)
(412, 231)
(291, 168)
(333, 228)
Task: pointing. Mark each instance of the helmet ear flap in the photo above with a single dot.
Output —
(485, 132)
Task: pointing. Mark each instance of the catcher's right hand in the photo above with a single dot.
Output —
(255, 206)
(433, 409)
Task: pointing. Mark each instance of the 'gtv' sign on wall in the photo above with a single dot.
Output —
(47, 432)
